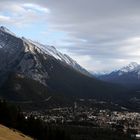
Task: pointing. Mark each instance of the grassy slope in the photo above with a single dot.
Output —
(9, 134)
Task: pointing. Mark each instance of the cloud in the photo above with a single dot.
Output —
(22, 14)
(101, 30)
(100, 34)
(36, 7)
(4, 18)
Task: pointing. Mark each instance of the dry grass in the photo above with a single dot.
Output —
(11, 134)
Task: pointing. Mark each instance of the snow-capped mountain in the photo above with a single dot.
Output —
(52, 51)
(128, 75)
(24, 52)
(4, 29)
(132, 67)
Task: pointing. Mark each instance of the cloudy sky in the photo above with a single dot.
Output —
(101, 35)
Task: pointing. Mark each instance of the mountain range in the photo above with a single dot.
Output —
(31, 72)
(128, 76)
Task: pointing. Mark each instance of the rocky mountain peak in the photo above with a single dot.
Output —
(6, 30)
(131, 67)
(27, 57)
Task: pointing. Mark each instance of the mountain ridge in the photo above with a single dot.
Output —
(128, 75)
(31, 46)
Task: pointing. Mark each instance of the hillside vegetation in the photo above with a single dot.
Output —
(11, 134)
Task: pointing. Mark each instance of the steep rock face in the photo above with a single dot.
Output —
(51, 51)
(10, 49)
(21, 55)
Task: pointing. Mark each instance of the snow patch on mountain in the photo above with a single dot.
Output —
(131, 67)
(43, 49)
(52, 51)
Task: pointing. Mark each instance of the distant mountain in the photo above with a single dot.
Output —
(128, 76)
(98, 74)
(31, 72)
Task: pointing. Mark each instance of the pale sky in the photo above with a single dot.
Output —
(101, 35)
